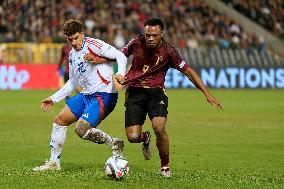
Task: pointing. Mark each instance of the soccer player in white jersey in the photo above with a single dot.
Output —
(97, 99)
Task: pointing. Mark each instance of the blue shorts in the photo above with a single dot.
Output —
(93, 108)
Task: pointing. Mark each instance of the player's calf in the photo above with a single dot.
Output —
(86, 132)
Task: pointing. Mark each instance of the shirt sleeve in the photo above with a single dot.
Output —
(102, 49)
(69, 86)
(177, 62)
(128, 49)
(64, 91)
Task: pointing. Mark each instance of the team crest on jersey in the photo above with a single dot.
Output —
(159, 60)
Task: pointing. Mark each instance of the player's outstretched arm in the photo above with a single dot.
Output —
(46, 104)
(195, 79)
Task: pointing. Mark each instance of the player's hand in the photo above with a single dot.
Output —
(46, 104)
(213, 101)
(94, 59)
(120, 79)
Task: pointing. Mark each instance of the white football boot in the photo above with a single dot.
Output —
(166, 172)
(49, 165)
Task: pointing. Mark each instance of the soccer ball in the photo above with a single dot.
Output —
(116, 167)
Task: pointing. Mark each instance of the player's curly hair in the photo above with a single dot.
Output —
(154, 22)
(72, 26)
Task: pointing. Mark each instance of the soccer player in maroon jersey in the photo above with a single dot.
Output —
(145, 93)
(152, 57)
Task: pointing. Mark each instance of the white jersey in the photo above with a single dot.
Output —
(92, 77)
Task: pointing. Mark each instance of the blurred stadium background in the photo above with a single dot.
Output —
(209, 34)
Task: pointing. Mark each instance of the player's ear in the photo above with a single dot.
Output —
(162, 34)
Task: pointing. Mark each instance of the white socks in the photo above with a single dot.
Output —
(58, 136)
(57, 140)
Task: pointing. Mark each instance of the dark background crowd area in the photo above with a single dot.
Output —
(189, 23)
(268, 13)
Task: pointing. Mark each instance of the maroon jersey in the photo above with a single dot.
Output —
(149, 67)
(65, 57)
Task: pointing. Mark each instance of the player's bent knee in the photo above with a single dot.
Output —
(82, 127)
(133, 137)
(60, 120)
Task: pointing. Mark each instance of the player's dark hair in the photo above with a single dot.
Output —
(72, 26)
(154, 22)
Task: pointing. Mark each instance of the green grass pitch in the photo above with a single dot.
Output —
(241, 146)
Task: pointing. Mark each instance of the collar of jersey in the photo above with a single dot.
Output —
(83, 43)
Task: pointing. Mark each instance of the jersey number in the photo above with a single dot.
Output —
(81, 69)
